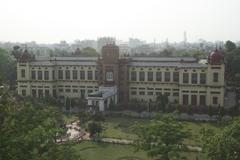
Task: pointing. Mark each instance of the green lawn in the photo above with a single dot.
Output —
(120, 127)
(106, 151)
(195, 128)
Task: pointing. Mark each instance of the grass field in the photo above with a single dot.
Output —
(120, 127)
(106, 151)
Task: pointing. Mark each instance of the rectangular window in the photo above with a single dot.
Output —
(150, 93)
(133, 93)
(109, 76)
(90, 91)
(175, 94)
(158, 93)
(90, 75)
(67, 74)
(60, 90)
(150, 76)
(185, 99)
(47, 94)
(202, 78)
(167, 94)
(60, 74)
(75, 74)
(133, 75)
(158, 76)
(53, 75)
(167, 76)
(185, 78)
(194, 78)
(82, 93)
(202, 100)
(202, 92)
(54, 93)
(75, 90)
(215, 77)
(82, 75)
(142, 93)
(215, 100)
(34, 93)
(23, 73)
(175, 76)
(67, 90)
(194, 100)
(46, 75)
(40, 75)
(215, 92)
(141, 76)
(23, 92)
(96, 75)
(33, 75)
(40, 93)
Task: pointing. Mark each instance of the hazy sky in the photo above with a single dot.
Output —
(48, 21)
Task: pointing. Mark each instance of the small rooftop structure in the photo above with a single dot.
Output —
(103, 97)
(216, 57)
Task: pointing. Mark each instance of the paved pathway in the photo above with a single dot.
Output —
(125, 141)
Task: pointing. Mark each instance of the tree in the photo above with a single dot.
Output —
(167, 52)
(16, 51)
(7, 67)
(95, 128)
(89, 51)
(161, 138)
(223, 145)
(98, 117)
(230, 46)
(68, 103)
(232, 65)
(83, 118)
(162, 101)
(31, 132)
(93, 122)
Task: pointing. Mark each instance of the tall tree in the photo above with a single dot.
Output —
(223, 145)
(7, 67)
(83, 118)
(161, 138)
(95, 128)
(89, 51)
(230, 46)
(92, 122)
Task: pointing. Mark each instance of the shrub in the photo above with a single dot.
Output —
(189, 109)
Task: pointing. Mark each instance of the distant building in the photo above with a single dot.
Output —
(88, 43)
(124, 49)
(134, 42)
(104, 41)
(111, 79)
(146, 49)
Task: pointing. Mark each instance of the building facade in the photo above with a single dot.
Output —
(111, 78)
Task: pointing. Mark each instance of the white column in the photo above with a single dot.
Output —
(108, 101)
(101, 105)
(116, 99)
(90, 102)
